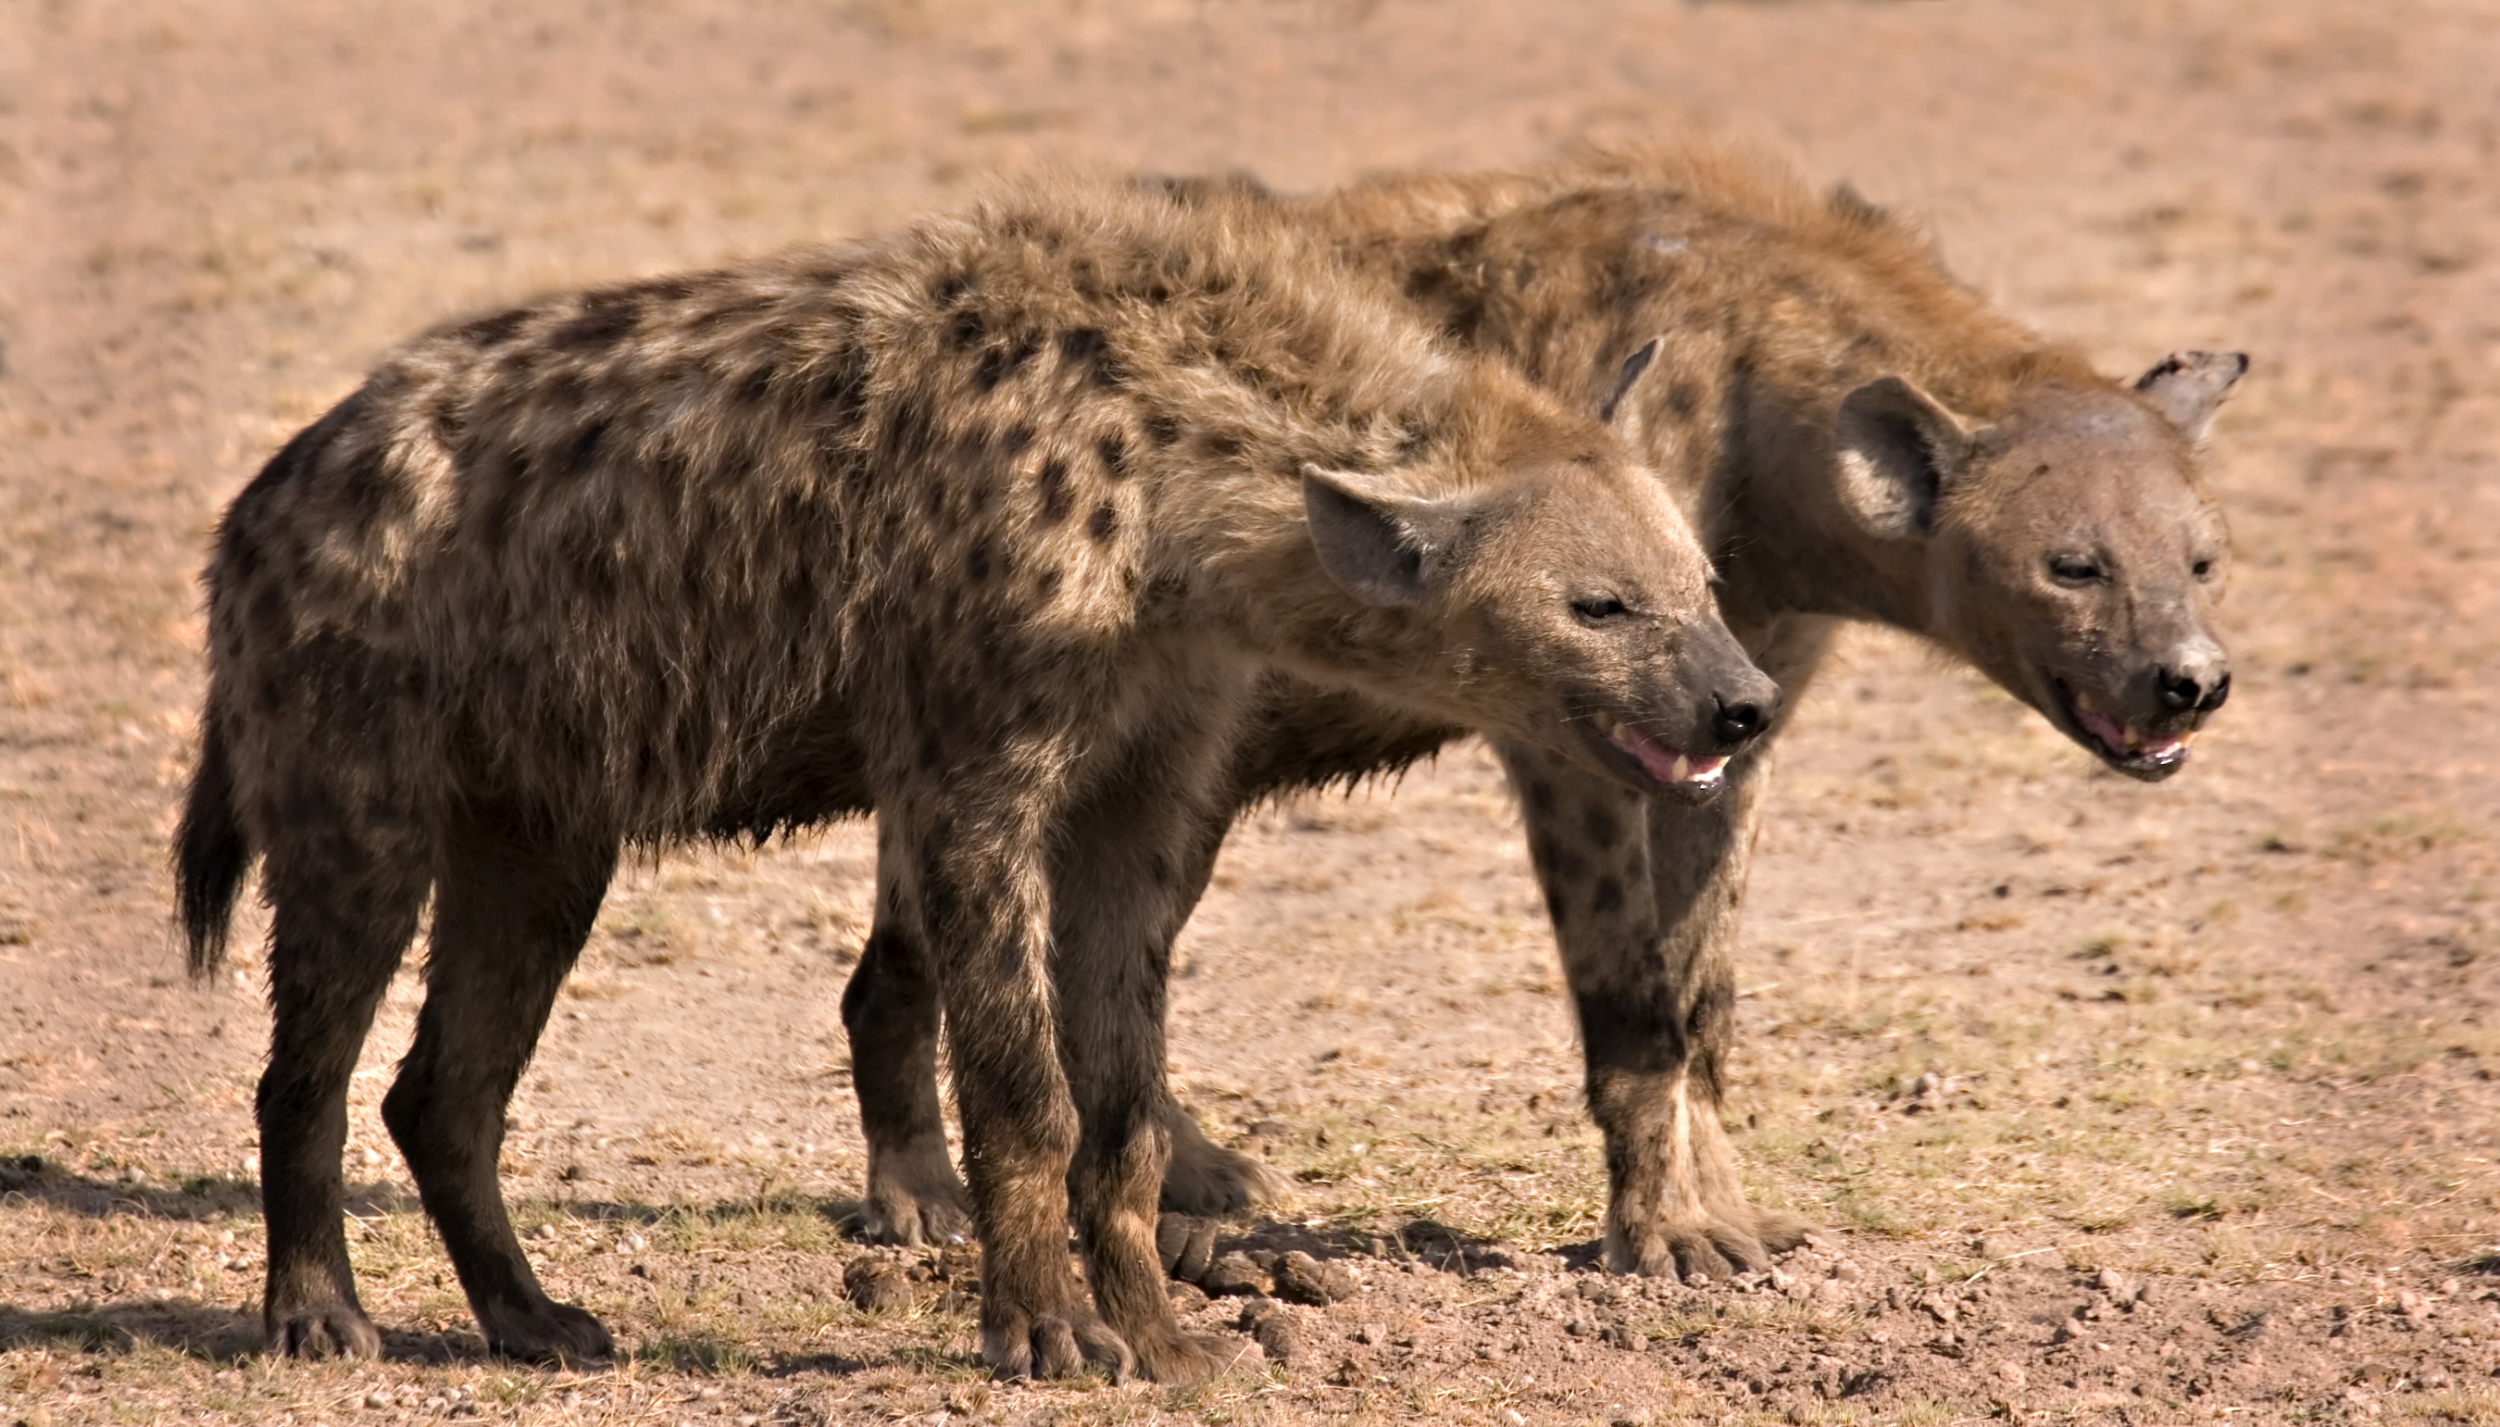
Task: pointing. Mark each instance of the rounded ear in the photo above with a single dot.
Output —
(1383, 548)
(1899, 451)
(2187, 388)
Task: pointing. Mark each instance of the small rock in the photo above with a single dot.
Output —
(1272, 1328)
(1186, 1298)
(1579, 1327)
(1372, 1335)
(1509, 1417)
(2120, 1286)
(2412, 1305)
(2011, 1374)
(1301, 1278)
(1624, 1336)
(1235, 1276)
(1846, 1270)
(875, 1287)
(375, 1399)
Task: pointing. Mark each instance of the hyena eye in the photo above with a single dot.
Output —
(2074, 570)
(1599, 609)
(2202, 569)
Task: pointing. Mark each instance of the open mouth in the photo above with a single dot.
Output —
(2123, 746)
(1680, 771)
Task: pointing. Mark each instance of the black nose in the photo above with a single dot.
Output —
(2184, 690)
(1739, 721)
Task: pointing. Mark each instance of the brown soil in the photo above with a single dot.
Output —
(2026, 1037)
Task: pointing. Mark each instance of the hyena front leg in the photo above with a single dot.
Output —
(891, 1010)
(1643, 893)
(976, 887)
(1128, 865)
(515, 901)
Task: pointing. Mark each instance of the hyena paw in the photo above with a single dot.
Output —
(1712, 1246)
(332, 1329)
(1208, 1180)
(546, 1332)
(1180, 1359)
(1054, 1345)
(921, 1204)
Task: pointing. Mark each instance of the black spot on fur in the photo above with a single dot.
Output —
(1017, 438)
(967, 331)
(487, 333)
(582, 453)
(953, 285)
(1541, 797)
(1683, 398)
(1627, 1033)
(1224, 443)
(756, 386)
(1046, 583)
(1085, 344)
(1000, 363)
(1053, 486)
(605, 320)
(1603, 827)
(1103, 523)
(1163, 429)
(1609, 897)
(977, 564)
(1114, 454)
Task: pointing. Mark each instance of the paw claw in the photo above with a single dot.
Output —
(332, 1330)
(1056, 1345)
(547, 1332)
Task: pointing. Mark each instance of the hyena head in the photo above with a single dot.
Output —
(1566, 603)
(2071, 551)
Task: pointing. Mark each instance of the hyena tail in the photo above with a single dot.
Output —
(211, 853)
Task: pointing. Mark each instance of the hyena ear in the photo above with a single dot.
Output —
(1899, 451)
(2187, 388)
(1619, 410)
(1385, 549)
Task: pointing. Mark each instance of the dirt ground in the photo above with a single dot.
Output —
(2119, 1103)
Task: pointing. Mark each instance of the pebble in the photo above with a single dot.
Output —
(1235, 1275)
(875, 1287)
(1301, 1278)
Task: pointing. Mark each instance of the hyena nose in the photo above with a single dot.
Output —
(1741, 720)
(2196, 681)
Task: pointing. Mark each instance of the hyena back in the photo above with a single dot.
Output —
(996, 529)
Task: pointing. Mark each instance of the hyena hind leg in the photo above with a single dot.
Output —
(343, 908)
(515, 903)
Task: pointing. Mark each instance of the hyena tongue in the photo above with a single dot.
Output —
(1665, 764)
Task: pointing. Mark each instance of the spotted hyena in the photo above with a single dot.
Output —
(1859, 438)
(995, 528)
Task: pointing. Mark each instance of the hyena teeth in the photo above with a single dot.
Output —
(1683, 769)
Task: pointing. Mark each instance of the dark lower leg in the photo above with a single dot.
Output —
(328, 971)
(510, 917)
(891, 1011)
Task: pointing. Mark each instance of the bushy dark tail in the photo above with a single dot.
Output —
(211, 854)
